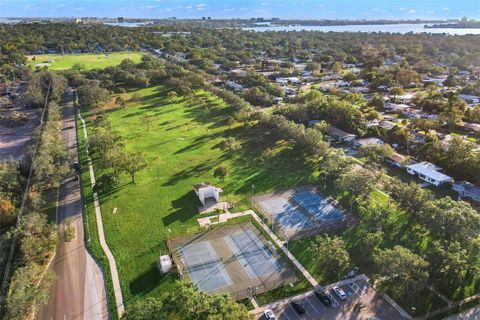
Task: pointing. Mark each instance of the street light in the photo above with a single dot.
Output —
(251, 200)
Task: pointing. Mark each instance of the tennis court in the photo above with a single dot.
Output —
(255, 257)
(205, 267)
(233, 259)
(300, 212)
(320, 207)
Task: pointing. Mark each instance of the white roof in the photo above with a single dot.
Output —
(429, 170)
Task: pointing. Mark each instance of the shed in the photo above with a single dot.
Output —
(164, 264)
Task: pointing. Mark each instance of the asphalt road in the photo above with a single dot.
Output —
(78, 291)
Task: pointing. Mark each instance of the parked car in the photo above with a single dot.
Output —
(268, 315)
(298, 307)
(76, 166)
(323, 297)
(340, 293)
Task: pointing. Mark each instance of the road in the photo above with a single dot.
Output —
(78, 291)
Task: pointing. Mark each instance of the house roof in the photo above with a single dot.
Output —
(429, 170)
(334, 131)
(467, 187)
(203, 185)
(397, 157)
(369, 141)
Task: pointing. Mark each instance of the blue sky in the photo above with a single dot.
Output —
(294, 9)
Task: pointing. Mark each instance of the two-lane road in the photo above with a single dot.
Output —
(78, 291)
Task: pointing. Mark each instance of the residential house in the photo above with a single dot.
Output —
(472, 127)
(467, 190)
(469, 98)
(387, 125)
(395, 107)
(368, 142)
(234, 86)
(396, 160)
(429, 172)
(340, 135)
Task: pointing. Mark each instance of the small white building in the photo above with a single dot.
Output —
(207, 194)
(164, 264)
(429, 172)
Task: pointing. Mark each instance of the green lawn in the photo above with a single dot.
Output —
(90, 60)
(182, 148)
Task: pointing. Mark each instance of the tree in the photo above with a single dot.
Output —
(7, 213)
(172, 96)
(146, 121)
(395, 92)
(230, 121)
(450, 81)
(185, 302)
(331, 255)
(405, 272)
(375, 152)
(132, 163)
(38, 239)
(231, 144)
(136, 97)
(360, 182)
(27, 293)
(221, 172)
(119, 101)
(91, 94)
(337, 67)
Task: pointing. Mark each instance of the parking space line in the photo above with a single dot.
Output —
(355, 291)
(294, 312)
(335, 303)
(285, 314)
(308, 300)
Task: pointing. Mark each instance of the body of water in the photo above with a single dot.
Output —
(127, 24)
(392, 28)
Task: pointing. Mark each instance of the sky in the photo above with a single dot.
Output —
(284, 9)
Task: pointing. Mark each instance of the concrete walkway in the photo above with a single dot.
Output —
(101, 235)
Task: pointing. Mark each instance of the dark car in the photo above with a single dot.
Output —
(298, 307)
(76, 166)
(323, 297)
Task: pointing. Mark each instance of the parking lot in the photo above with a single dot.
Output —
(358, 293)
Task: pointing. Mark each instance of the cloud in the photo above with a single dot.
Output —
(402, 9)
(188, 7)
(445, 9)
(201, 6)
(412, 11)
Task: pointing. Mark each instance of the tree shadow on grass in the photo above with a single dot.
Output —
(146, 281)
(185, 209)
(194, 171)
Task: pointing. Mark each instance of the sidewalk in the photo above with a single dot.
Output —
(101, 235)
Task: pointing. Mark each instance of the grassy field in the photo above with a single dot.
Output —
(182, 148)
(90, 60)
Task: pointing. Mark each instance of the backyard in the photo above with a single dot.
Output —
(182, 147)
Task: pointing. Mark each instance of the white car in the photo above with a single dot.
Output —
(340, 293)
(268, 315)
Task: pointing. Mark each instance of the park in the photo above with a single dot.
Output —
(84, 60)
